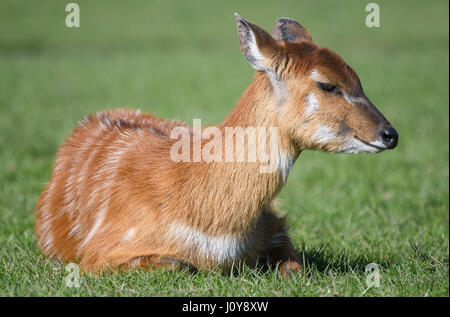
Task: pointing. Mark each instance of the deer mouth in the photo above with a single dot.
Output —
(371, 144)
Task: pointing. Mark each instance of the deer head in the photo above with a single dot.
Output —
(320, 103)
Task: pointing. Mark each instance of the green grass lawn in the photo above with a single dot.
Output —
(182, 61)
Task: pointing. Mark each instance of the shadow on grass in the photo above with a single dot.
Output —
(323, 259)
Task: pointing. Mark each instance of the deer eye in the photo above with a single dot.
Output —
(328, 88)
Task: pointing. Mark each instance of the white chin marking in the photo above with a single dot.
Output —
(353, 145)
(323, 134)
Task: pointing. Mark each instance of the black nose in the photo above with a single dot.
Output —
(389, 137)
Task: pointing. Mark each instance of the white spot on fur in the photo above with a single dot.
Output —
(223, 248)
(75, 230)
(46, 230)
(312, 104)
(315, 75)
(135, 262)
(128, 235)
(285, 163)
(323, 134)
(280, 89)
(100, 217)
(48, 242)
(352, 100)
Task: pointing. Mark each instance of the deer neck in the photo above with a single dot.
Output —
(253, 109)
(250, 189)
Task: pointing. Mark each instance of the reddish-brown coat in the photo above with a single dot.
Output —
(115, 194)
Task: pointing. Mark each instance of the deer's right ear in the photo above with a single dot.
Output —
(289, 30)
(258, 46)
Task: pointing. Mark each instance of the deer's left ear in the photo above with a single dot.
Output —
(258, 46)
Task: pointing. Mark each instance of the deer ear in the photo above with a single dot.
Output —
(257, 45)
(288, 30)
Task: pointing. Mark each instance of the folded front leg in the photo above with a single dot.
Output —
(281, 251)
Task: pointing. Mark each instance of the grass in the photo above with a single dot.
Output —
(182, 60)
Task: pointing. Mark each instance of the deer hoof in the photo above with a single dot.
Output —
(289, 267)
